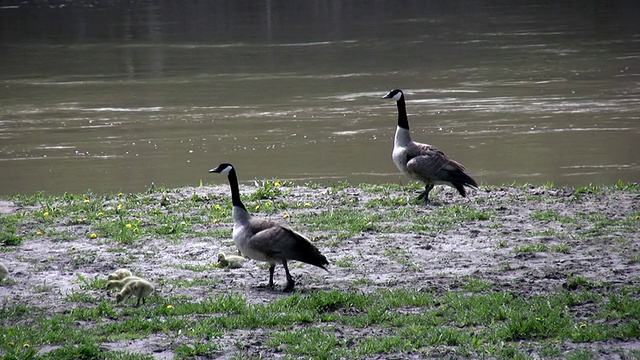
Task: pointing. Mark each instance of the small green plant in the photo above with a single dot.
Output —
(545, 215)
(335, 187)
(96, 283)
(531, 248)
(345, 261)
(576, 282)
(9, 237)
(207, 348)
(561, 248)
(269, 189)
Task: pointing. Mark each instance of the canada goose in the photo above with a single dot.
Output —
(139, 288)
(265, 240)
(424, 162)
(119, 284)
(119, 274)
(230, 261)
(4, 273)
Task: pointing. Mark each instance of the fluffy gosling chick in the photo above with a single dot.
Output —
(230, 261)
(4, 273)
(119, 274)
(119, 284)
(138, 288)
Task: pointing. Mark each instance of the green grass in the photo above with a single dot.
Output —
(474, 321)
(343, 222)
(345, 261)
(530, 248)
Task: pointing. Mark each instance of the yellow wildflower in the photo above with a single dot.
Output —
(45, 214)
(26, 345)
(73, 248)
(86, 201)
(583, 325)
(119, 206)
(39, 233)
(268, 203)
(215, 221)
(128, 226)
(169, 306)
(217, 207)
(93, 235)
(257, 207)
(100, 213)
(277, 183)
(120, 194)
(286, 215)
(307, 204)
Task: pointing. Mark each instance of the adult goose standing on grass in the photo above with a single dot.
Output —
(265, 240)
(424, 162)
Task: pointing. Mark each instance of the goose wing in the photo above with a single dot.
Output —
(434, 165)
(283, 243)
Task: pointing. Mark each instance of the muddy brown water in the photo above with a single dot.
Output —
(112, 96)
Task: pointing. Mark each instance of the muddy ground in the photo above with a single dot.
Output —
(44, 271)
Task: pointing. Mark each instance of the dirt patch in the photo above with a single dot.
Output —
(526, 240)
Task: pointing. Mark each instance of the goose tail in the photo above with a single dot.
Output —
(308, 253)
(313, 256)
(461, 180)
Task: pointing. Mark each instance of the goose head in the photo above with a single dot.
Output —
(224, 168)
(395, 94)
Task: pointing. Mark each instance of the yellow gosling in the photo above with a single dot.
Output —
(119, 274)
(230, 261)
(138, 288)
(119, 284)
(4, 273)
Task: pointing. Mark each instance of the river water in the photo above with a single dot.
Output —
(112, 96)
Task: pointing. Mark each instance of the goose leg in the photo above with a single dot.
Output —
(271, 269)
(425, 194)
(290, 282)
(139, 296)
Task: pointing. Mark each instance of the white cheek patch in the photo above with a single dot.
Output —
(226, 170)
(397, 96)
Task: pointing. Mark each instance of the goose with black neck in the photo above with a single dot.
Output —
(424, 162)
(265, 240)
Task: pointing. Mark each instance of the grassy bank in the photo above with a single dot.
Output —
(511, 272)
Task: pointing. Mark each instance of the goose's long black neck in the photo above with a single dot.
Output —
(403, 120)
(235, 190)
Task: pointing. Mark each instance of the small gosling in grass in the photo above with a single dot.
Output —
(138, 288)
(4, 273)
(119, 284)
(119, 274)
(230, 261)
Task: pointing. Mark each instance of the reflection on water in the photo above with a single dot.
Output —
(111, 96)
